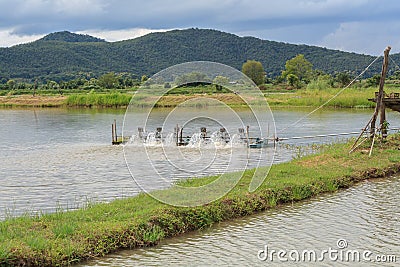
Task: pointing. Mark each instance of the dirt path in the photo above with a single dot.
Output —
(32, 101)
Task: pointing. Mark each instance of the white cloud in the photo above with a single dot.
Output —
(119, 35)
(65, 7)
(286, 9)
(80, 7)
(364, 37)
(7, 38)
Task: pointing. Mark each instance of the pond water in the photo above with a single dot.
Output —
(62, 158)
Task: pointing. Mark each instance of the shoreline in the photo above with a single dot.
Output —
(64, 238)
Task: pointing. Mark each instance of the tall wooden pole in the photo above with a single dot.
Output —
(113, 134)
(382, 120)
(115, 131)
(177, 135)
(380, 106)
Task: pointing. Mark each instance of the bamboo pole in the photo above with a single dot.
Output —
(358, 138)
(372, 146)
(380, 107)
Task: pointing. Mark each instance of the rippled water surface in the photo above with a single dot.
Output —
(60, 158)
(366, 217)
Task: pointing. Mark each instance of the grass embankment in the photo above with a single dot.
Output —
(64, 238)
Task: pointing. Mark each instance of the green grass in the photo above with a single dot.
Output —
(63, 238)
(349, 98)
(114, 99)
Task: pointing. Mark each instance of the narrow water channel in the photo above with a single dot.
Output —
(365, 217)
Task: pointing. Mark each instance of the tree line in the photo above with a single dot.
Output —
(109, 80)
(298, 73)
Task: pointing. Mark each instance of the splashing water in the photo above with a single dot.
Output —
(151, 140)
(195, 140)
(169, 140)
(237, 141)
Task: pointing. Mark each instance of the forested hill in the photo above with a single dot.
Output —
(66, 36)
(65, 55)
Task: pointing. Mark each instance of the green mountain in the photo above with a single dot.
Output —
(64, 55)
(70, 37)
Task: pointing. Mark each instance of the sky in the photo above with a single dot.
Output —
(360, 26)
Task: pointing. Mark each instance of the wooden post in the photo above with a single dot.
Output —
(177, 135)
(247, 134)
(115, 131)
(381, 85)
(380, 107)
(112, 133)
(181, 137)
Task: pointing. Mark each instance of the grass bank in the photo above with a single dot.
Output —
(113, 99)
(65, 238)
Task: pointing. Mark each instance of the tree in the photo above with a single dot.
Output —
(293, 80)
(220, 81)
(11, 84)
(374, 80)
(343, 78)
(300, 67)
(108, 80)
(144, 78)
(254, 70)
(395, 75)
(52, 85)
(192, 79)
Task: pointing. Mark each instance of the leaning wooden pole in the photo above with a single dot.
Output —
(382, 121)
(380, 106)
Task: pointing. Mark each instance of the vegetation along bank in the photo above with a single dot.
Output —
(350, 98)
